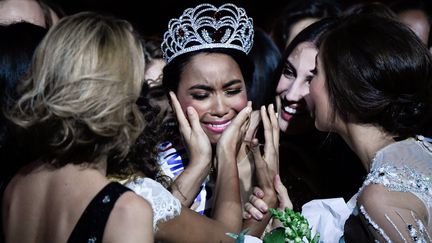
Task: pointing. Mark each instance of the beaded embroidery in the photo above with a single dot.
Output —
(403, 178)
(420, 236)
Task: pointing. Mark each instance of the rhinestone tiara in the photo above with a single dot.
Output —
(206, 27)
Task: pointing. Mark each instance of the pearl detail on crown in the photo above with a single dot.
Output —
(207, 26)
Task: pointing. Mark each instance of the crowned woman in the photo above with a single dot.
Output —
(206, 73)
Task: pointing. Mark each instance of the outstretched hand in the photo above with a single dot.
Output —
(266, 168)
(267, 163)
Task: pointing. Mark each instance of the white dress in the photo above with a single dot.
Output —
(404, 166)
(165, 206)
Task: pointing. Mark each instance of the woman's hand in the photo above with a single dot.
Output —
(255, 120)
(197, 142)
(256, 207)
(267, 163)
(231, 139)
(266, 168)
(227, 204)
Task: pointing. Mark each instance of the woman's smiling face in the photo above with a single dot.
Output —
(213, 84)
(293, 87)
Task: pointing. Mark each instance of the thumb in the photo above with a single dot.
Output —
(260, 164)
(193, 118)
(282, 194)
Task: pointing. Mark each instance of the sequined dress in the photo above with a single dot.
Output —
(404, 166)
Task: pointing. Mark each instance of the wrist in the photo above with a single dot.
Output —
(200, 163)
(225, 154)
(270, 198)
(224, 160)
(199, 168)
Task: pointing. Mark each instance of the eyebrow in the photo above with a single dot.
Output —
(208, 88)
(201, 86)
(232, 82)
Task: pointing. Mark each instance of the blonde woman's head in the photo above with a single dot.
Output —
(80, 97)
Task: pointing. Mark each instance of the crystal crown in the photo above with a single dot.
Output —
(207, 26)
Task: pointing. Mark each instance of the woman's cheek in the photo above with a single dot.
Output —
(240, 102)
(200, 106)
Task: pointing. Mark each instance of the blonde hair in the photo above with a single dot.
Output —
(80, 98)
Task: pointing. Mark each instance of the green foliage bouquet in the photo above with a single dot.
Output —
(295, 228)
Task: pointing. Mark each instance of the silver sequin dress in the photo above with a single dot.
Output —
(404, 166)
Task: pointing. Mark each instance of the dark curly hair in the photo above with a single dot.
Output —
(378, 72)
(142, 156)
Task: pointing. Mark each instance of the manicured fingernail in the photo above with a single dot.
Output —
(259, 193)
(189, 110)
(263, 209)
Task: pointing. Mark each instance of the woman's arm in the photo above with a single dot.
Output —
(192, 227)
(394, 216)
(186, 186)
(227, 205)
(131, 220)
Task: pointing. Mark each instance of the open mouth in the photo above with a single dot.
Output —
(217, 127)
(290, 109)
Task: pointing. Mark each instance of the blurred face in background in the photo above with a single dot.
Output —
(156, 94)
(417, 21)
(298, 27)
(30, 11)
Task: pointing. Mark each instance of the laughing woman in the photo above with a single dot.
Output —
(378, 104)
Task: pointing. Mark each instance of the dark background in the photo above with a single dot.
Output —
(151, 17)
